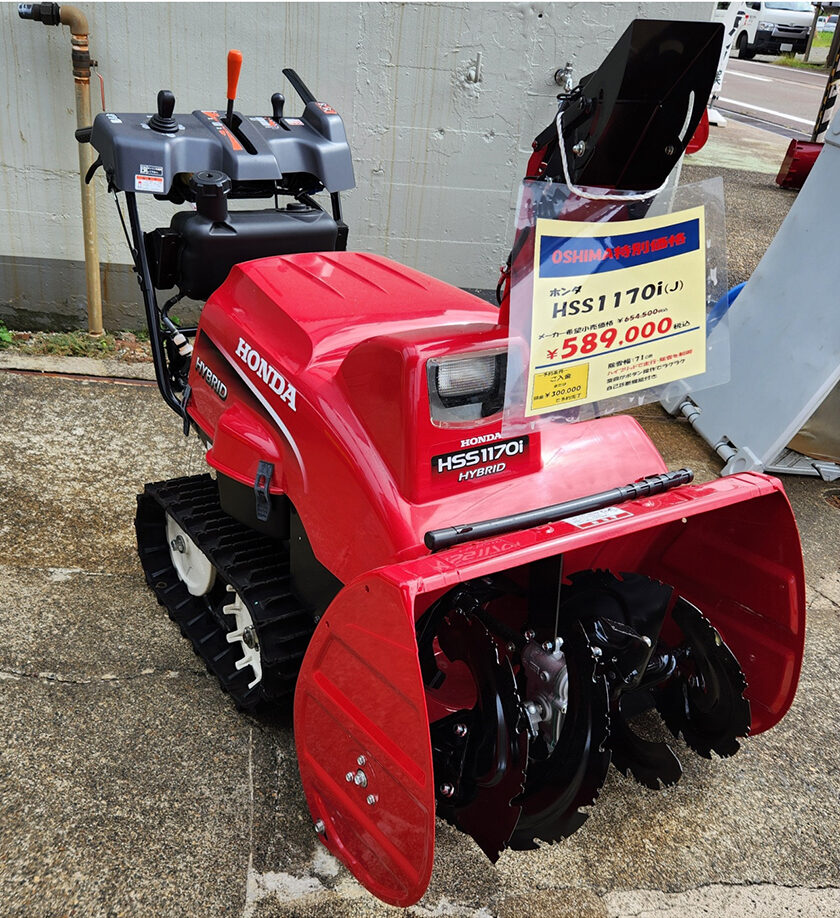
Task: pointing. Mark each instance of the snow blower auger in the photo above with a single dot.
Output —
(468, 620)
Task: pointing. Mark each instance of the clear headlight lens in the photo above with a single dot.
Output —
(766, 26)
(466, 388)
(466, 378)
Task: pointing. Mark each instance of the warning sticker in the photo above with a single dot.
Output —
(598, 517)
(153, 183)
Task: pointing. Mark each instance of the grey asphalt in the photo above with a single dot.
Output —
(782, 96)
(129, 785)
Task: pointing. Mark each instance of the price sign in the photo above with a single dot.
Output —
(618, 307)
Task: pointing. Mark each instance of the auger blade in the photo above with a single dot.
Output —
(652, 764)
(704, 699)
(497, 751)
(571, 776)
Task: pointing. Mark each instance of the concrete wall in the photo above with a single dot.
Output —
(438, 158)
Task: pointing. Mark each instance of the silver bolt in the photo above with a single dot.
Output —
(361, 760)
(320, 828)
(529, 635)
(446, 790)
(349, 776)
(547, 646)
(579, 148)
(371, 799)
(596, 652)
(647, 640)
(531, 707)
(360, 779)
(511, 647)
(249, 638)
(178, 544)
(460, 729)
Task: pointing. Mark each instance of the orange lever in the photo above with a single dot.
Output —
(234, 66)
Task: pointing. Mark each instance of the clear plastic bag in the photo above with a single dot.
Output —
(606, 318)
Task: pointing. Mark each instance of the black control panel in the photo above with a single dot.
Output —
(144, 153)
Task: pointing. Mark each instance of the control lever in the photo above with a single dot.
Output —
(300, 87)
(234, 66)
(163, 122)
(278, 100)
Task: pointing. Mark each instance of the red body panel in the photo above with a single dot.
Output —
(337, 399)
(355, 451)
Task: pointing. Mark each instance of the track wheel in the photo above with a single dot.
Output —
(704, 699)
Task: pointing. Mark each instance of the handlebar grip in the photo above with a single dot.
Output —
(83, 134)
(234, 66)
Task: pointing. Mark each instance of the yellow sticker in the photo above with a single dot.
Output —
(560, 386)
(618, 307)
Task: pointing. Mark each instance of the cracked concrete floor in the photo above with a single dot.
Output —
(130, 786)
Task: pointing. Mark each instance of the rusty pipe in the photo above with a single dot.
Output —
(75, 19)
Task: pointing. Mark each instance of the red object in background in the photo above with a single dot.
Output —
(797, 164)
(701, 135)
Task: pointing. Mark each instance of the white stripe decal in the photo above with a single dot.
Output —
(263, 401)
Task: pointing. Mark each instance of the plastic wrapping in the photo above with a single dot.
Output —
(611, 310)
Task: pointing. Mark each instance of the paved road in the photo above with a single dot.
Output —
(777, 98)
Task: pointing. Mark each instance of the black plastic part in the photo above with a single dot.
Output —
(262, 483)
(48, 13)
(162, 121)
(278, 100)
(210, 248)
(185, 400)
(301, 88)
(437, 539)
(211, 189)
(162, 247)
(315, 585)
(237, 500)
(92, 170)
(636, 113)
(82, 135)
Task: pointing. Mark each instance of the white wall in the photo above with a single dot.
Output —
(437, 157)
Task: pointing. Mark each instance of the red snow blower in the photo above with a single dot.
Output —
(467, 621)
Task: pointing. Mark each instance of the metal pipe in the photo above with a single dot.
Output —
(53, 14)
(77, 21)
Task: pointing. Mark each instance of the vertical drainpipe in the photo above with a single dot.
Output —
(53, 14)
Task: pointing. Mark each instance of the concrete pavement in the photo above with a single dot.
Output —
(129, 785)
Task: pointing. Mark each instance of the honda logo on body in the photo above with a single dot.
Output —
(269, 374)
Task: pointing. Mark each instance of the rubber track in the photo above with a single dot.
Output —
(256, 566)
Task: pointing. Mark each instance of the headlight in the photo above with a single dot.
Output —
(766, 26)
(473, 384)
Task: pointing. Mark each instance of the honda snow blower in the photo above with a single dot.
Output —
(467, 621)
